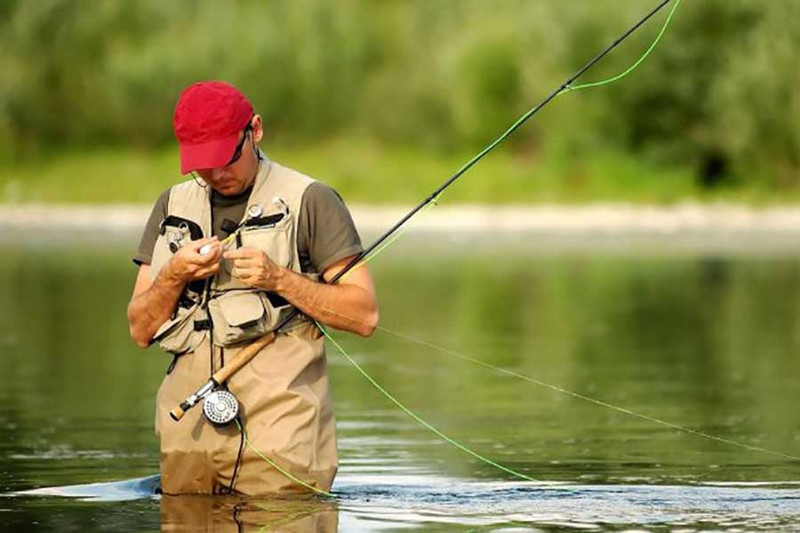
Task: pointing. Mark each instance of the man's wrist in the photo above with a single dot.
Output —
(168, 276)
(282, 280)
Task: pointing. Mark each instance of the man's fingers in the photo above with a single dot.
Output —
(240, 271)
(242, 253)
(203, 273)
(247, 262)
(203, 251)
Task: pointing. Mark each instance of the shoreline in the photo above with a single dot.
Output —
(553, 219)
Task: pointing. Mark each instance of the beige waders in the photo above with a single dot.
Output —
(286, 409)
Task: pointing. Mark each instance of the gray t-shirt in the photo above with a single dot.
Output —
(326, 233)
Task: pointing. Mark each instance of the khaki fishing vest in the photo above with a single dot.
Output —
(229, 310)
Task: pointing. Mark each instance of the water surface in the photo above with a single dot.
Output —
(698, 331)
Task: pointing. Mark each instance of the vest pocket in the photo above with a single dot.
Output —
(274, 241)
(179, 335)
(239, 316)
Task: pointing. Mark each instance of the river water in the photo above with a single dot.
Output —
(700, 332)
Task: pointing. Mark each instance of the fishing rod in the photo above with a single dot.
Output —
(223, 407)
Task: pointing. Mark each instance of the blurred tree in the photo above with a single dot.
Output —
(717, 94)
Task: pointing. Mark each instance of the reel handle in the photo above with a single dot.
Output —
(177, 413)
(220, 376)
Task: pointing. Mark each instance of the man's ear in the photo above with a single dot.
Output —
(258, 130)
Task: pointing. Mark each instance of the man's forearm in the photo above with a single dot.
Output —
(347, 307)
(148, 310)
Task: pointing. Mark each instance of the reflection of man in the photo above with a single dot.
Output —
(234, 515)
(202, 298)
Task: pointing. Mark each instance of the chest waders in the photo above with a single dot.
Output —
(283, 394)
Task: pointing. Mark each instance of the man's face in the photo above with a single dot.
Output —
(235, 177)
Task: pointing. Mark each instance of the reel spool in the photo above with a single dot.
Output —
(221, 407)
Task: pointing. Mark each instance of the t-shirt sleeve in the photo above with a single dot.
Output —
(326, 233)
(144, 255)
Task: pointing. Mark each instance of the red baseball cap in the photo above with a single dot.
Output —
(208, 119)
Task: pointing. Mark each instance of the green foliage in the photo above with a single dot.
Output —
(718, 95)
(363, 172)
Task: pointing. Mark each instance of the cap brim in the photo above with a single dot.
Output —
(211, 154)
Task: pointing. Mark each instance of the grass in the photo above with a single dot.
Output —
(366, 172)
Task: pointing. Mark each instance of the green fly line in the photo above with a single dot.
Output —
(418, 418)
(390, 241)
(274, 465)
(589, 399)
(434, 201)
(632, 67)
(382, 247)
(533, 381)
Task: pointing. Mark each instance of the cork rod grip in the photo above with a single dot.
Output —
(242, 358)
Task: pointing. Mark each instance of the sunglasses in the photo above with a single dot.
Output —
(239, 147)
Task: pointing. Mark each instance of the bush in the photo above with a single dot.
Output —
(717, 94)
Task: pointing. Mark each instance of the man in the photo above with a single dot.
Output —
(223, 258)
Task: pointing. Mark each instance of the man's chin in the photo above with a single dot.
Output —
(228, 191)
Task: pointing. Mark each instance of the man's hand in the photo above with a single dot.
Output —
(188, 264)
(153, 300)
(254, 268)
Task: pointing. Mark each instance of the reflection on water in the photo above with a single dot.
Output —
(230, 514)
(388, 502)
(704, 340)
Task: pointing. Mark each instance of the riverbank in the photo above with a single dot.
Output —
(472, 218)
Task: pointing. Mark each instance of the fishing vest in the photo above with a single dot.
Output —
(223, 306)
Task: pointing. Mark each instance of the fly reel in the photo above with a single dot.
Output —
(221, 407)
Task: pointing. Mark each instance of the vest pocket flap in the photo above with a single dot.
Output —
(165, 329)
(178, 335)
(241, 309)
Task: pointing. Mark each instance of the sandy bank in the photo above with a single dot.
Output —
(590, 219)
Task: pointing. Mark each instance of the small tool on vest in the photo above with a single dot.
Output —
(176, 239)
(280, 204)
